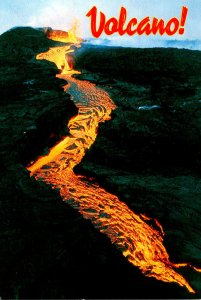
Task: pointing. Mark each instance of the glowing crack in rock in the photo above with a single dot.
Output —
(140, 243)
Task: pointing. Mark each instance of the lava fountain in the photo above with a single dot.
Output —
(141, 244)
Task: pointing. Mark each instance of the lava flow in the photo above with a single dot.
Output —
(141, 244)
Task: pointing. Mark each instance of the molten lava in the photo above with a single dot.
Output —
(66, 37)
(140, 243)
(62, 55)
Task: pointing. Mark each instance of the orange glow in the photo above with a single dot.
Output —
(62, 55)
(57, 55)
(66, 37)
(141, 244)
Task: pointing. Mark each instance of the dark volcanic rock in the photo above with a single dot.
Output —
(34, 115)
(34, 108)
(46, 249)
(149, 153)
(140, 65)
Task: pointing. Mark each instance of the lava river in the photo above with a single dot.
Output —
(141, 244)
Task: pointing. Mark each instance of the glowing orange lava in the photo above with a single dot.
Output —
(66, 37)
(140, 243)
(62, 55)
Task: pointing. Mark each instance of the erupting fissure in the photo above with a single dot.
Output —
(141, 244)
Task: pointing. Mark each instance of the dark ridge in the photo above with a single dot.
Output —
(146, 66)
(31, 95)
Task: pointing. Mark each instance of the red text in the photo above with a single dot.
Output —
(146, 26)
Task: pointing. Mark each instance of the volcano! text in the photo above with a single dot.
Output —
(145, 26)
